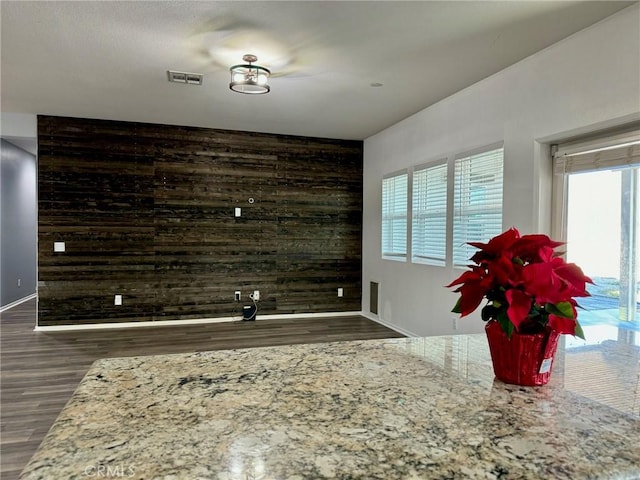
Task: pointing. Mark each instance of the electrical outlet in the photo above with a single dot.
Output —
(238, 212)
(340, 292)
(255, 296)
(19, 281)
(454, 323)
(237, 295)
(117, 300)
(59, 247)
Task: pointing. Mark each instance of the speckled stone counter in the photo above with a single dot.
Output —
(419, 408)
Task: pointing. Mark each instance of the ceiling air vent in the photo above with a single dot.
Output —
(185, 77)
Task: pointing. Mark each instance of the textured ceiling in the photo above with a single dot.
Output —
(109, 59)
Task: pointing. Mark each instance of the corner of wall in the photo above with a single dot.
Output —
(22, 125)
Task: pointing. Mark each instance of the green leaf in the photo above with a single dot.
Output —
(579, 332)
(560, 309)
(505, 323)
(456, 308)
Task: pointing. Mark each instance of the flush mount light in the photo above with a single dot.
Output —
(248, 78)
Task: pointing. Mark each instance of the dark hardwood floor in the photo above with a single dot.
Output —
(40, 371)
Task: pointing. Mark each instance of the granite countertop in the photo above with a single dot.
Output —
(414, 408)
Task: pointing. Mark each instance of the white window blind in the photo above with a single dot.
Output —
(394, 216)
(477, 201)
(429, 219)
(604, 153)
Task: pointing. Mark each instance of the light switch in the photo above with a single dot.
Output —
(58, 246)
(117, 300)
(238, 212)
(340, 292)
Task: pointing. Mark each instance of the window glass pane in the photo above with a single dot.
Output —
(608, 253)
(394, 216)
(429, 219)
(477, 214)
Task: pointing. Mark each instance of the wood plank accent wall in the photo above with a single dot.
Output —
(147, 211)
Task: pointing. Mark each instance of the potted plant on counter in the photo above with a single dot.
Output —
(530, 292)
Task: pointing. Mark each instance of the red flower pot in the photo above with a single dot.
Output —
(524, 359)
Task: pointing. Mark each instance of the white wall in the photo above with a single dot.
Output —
(20, 129)
(19, 223)
(20, 125)
(585, 82)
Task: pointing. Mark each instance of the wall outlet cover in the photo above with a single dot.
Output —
(59, 247)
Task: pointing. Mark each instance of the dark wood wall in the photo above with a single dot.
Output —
(147, 211)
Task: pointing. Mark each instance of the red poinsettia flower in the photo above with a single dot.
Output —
(472, 290)
(525, 283)
(495, 247)
(562, 324)
(534, 248)
(575, 280)
(519, 306)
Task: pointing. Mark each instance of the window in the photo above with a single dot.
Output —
(429, 219)
(394, 216)
(477, 201)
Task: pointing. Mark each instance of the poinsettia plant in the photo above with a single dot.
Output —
(529, 287)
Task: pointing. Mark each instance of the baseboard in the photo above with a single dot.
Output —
(18, 302)
(306, 315)
(190, 321)
(375, 318)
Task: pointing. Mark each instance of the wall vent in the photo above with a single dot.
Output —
(373, 297)
(185, 77)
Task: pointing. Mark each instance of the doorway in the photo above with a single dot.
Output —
(597, 183)
(602, 237)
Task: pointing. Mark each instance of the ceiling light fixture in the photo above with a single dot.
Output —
(248, 78)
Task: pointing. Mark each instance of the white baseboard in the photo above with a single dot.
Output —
(18, 302)
(190, 321)
(306, 315)
(375, 318)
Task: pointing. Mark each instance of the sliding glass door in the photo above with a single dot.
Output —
(602, 237)
(597, 186)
